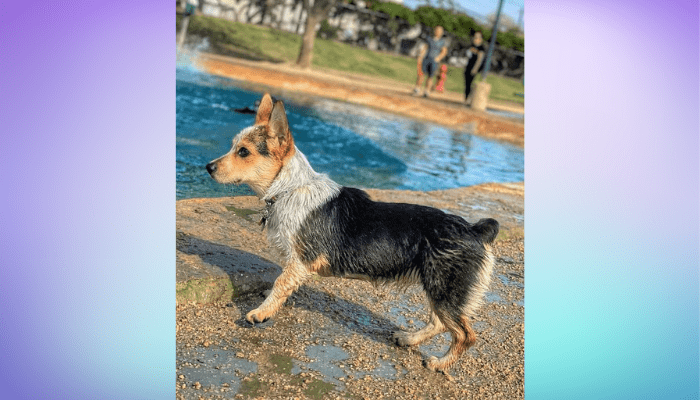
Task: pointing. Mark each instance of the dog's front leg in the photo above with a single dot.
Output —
(292, 276)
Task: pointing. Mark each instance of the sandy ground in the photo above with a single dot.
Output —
(332, 338)
(446, 109)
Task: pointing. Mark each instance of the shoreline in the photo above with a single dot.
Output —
(445, 109)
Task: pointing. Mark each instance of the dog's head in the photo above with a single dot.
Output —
(258, 152)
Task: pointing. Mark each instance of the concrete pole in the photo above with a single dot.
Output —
(520, 18)
(492, 42)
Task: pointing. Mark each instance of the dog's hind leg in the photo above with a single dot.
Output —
(405, 338)
(466, 294)
(463, 337)
(285, 284)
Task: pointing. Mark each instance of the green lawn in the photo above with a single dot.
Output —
(507, 89)
(262, 43)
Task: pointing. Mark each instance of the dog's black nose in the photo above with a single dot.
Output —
(211, 168)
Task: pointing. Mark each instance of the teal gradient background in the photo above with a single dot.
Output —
(87, 209)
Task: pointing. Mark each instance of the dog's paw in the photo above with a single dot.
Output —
(256, 317)
(432, 364)
(401, 338)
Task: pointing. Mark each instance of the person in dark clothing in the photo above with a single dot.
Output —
(475, 57)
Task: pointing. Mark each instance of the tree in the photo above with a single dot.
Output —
(446, 4)
(315, 13)
(431, 17)
(395, 10)
(464, 26)
(505, 23)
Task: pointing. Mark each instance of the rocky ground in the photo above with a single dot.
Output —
(332, 338)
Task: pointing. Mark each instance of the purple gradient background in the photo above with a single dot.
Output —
(87, 211)
(88, 205)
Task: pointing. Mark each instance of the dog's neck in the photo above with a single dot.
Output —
(295, 174)
(296, 191)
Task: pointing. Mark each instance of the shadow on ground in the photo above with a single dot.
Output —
(250, 275)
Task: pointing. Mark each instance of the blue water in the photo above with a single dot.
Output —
(354, 145)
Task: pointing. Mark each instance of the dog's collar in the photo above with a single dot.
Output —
(269, 203)
(267, 211)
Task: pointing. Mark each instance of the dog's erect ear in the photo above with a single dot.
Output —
(264, 110)
(279, 126)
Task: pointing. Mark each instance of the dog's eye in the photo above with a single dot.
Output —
(243, 152)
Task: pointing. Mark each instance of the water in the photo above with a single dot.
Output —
(212, 367)
(328, 360)
(354, 145)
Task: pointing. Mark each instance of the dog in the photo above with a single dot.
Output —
(324, 228)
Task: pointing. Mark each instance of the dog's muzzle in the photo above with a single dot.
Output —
(211, 168)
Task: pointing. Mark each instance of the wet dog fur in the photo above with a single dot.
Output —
(331, 230)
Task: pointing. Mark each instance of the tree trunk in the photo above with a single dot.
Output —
(185, 23)
(263, 8)
(301, 16)
(183, 32)
(282, 14)
(307, 41)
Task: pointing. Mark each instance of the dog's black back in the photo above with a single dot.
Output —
(391, 241)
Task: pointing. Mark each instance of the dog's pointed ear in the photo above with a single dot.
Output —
(264, 110)
(279, 126)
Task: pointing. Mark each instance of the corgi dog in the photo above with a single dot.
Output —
(324, 228)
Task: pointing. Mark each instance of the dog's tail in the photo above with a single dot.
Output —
(486, 230)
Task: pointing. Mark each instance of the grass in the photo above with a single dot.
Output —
(283, 364)
(344, 57)
(252, 387)
(505, 88)
(268, 44)
(502, 88)
(318, 389)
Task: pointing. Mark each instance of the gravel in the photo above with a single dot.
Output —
(357, 318)
(332, 337)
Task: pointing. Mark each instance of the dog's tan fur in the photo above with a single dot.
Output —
(254, 169)
(292, 276)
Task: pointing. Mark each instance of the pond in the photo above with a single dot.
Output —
(354, 145)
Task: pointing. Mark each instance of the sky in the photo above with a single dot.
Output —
(482, 7)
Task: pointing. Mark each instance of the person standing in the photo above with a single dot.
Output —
(475, 56)
(429, 60)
